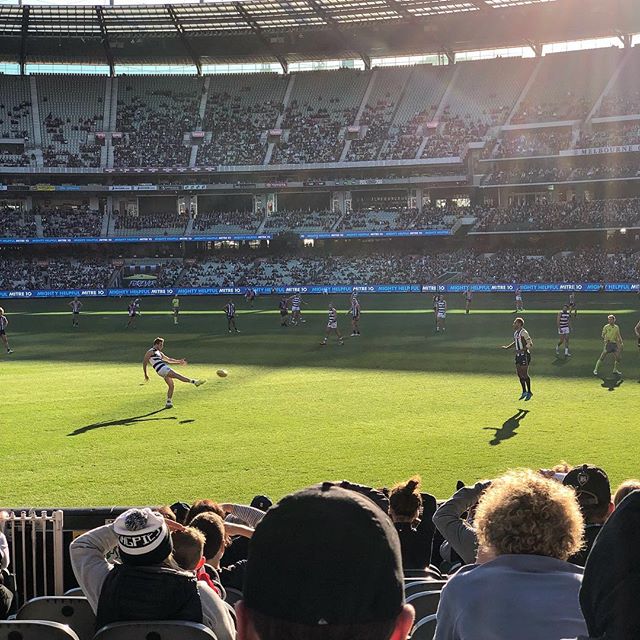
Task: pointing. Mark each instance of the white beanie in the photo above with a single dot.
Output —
(143, 537)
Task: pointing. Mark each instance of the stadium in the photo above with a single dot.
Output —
(384, 250)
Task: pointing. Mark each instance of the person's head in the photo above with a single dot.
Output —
(216, 540)
(180, 510)
(158, 343)
(405, 500)
(324, 564)
(261, 502)
(524, 513)
(167, 513)
(624, 490)
(143, 537)
(611, 319)
(202, 506)
(565, 307)
(188, 545)
(1, 311)
(518, 323)
(593, 490)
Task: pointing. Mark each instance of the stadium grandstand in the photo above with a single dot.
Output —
(235, 157)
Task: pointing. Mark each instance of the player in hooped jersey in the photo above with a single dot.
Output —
(230, 312)
(563, 322)
(468, 297)
(332, 326)
(519, 303)
(296, 309)
(441, 314)
(160, 363)
(76, 306)
(4, 323)
(523, 346)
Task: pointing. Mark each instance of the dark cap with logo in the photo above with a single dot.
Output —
(325, 556)
(591, 485)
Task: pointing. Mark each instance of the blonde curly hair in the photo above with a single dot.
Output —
(524, 513)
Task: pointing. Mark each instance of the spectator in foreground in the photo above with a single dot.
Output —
(324, 564)
(527, 527)
(412, 514)
(609, 593)
(624, 490)
(593, 491)
(6, 597)
(148, 584)
(457, 529)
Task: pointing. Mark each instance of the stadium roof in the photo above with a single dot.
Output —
(294, 30)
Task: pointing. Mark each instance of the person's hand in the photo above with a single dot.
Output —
(172, 525)
(504, 346)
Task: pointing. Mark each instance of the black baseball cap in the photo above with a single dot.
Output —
(591, 484)
(325, 556)
(261, 502)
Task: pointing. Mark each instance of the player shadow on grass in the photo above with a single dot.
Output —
(126, 422)
(508, 428)
(612, 383)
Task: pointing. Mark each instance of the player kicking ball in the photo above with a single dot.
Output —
(332, 327)
(4, 323)
(523, 344)
(612, 345)
(160, 362)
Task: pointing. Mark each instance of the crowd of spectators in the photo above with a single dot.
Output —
(239, 132)
(301, 219)
(163, 222)
(314, 133)
(405, 140)
(376, 118)
(13, 120)
(16, 224)
(563, 215)
(169, 273)
(57, 153)
(555, 548)
(154, 125)
(8, 159)
(547, 174)
(535, 142)
(621, 104)
(63, 222)
(233, 221)
(622, 134)
(453, 136)
(54, 273)
(570, 108)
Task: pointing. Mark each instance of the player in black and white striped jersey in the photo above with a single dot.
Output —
(230, 312)
(332, 326)
(563, 322)
(76, 306)
(523, 344)
(160, 363)
(4, 323)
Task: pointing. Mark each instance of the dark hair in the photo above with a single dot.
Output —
(405, 498)
(202, 506)
(274, 629)
(212, 526)
(167, 513)
(595, 513)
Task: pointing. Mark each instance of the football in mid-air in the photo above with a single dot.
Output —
(222, 373)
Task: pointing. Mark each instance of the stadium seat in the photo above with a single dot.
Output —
(425, 603)
(165, 630)
(425, 628)
(422, 586)
(35, 630)
(233, 595)
(74, 611)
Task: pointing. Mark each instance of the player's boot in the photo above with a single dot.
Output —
(169, 404)
(529, 396)
(595, 372)
(199, 383)
(523, 396)
(9, 350)
(567, 354)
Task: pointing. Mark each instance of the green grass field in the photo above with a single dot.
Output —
(78, 427)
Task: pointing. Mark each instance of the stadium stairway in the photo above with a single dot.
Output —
(37, 218)
(612, 81)
(525, 91)
(361, 108)
(278, 125)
